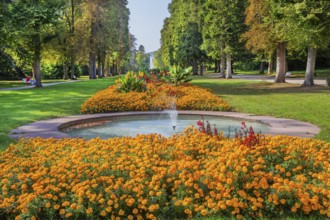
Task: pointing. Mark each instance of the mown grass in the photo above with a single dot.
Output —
(20, 107)
(279, 100)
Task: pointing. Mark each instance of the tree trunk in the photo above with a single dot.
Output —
(262, 67)
(37, 56)
(92, 56)
(195, 67)
(280, 63)
(100, 69)
(229, 69)
(216, 66)
(310, 68)
(65, 71)
(72, 58)
(201, 70)
(222, 62)
(270, 65)
(108, 73)
(99, 65)
(72, 64)
(92, 65)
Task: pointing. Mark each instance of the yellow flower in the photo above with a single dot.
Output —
(89, 211)
(103, 213)
(204, 212)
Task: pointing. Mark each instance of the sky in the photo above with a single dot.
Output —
(146, 21)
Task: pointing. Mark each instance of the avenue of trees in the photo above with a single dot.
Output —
(66, 34)
(222, 31)
(92, 36)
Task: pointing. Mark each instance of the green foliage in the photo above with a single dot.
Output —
(142, 60)
(52, 71)
(178, 75)
(55, 71)
(131, 82)
(181, 34)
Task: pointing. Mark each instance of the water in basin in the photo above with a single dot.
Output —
(161, 124)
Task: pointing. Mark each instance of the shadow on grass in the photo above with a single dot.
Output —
(239, 87)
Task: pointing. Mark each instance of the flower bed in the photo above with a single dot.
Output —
(149, 176)
(156, 97)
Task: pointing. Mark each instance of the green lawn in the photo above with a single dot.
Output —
(19, 107)
(291, 101)
(279, 100)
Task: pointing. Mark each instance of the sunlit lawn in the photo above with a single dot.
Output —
(19, 107)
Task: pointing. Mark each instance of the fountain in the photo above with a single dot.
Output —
(172, 112)
(166, 124)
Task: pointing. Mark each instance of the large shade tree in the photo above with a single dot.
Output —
(308, 27)
(35, 23)
(258, 38)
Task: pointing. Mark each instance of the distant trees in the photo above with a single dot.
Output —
(222, 29)
(181, 35)
(93, 32)
(142, 60)
(218, 29)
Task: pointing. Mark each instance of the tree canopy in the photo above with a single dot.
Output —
(68, 33)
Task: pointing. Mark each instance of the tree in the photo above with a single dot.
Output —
(266, 24)
(223, 26)
(142, 59)
(258, 38)
(157, 60)
(308, 27)
(181, 35)
(35, 23)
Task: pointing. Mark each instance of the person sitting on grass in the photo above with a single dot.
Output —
(32, 82)
(27, 80)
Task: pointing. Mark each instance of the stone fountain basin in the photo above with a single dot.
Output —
(54, 127)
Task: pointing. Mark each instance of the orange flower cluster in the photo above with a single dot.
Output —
(157, 97)
(149, 177)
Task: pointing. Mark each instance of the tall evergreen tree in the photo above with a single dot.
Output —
(223, 26)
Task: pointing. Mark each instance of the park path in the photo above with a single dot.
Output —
(44, 85)
(300, 81)
(320, 82)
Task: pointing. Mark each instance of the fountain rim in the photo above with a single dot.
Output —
(52, 128)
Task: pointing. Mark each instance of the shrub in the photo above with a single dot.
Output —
(149, 176)
(52, 71)
(178, 75)
(131, 82)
